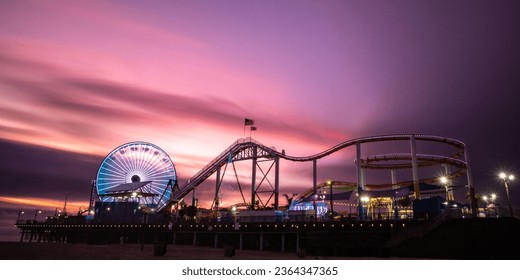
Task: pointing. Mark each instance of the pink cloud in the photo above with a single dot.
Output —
(77, 112)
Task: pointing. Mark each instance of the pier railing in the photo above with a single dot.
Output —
(416, 231)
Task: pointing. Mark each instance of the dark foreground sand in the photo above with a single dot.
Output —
(54, 251)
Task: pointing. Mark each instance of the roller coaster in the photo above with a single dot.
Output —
(264, 192)
(249, 149)
(137, 187)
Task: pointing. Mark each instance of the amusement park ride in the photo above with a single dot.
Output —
(138, 198)
(139, 179)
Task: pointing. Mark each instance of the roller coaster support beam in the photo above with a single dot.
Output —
(193, 197)
(359, 181)
(217, 187)
(276, 182)
(471, 190)
(415, 171)
(315, 186)
(253, 179)
(331, 201)
(395, 186)
(394, 179)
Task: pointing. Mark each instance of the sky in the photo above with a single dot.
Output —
(78, 79)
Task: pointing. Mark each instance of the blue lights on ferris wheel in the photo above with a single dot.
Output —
(137, 162)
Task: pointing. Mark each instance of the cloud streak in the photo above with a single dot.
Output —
(76, 81)
(42, 204)
(80, 109)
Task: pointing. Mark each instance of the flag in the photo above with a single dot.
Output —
(253, 128)
(249, 122)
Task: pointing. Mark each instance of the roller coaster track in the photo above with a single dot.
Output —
(247, 148)
(233, 152)
(453, 142)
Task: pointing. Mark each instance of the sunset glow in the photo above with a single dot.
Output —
(40, 203)
(80, 78)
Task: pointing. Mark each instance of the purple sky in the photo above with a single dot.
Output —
(79, 79)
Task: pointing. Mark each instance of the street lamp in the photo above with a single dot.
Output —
(38, 211)
(507, 178)
(444, 181)
(21, 212)
(364, 200)
(485, 198)
(493, 198)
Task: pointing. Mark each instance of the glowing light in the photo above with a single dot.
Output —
(137, 162)
(444, 180)
(39, 202)
(502, 175)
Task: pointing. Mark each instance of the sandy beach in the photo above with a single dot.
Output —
(55, 251)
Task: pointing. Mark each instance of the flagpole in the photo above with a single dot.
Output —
(248, 122)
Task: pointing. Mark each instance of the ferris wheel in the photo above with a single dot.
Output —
(136, 167)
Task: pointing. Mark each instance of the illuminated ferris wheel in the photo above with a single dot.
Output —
(136, 171)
